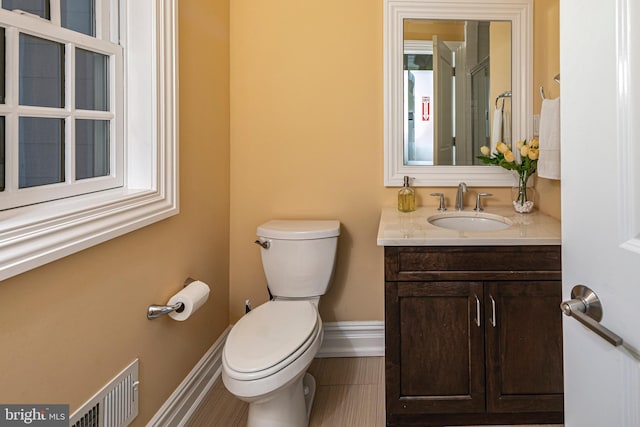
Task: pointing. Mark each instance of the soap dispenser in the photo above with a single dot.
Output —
(406, 197)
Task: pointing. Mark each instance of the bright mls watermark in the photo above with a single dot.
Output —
(34, 415)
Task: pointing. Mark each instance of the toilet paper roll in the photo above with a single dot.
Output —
(193, 296)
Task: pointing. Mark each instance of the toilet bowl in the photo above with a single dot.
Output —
(268, 351)
(267, 368)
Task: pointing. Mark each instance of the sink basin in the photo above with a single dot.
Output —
(470, 221)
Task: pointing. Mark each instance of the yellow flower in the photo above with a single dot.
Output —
(508, 156)
(502, 147)
(527, 157)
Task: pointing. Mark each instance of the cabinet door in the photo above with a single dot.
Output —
(434, 347)
(524, 346)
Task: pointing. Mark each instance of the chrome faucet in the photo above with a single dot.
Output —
(462, 188)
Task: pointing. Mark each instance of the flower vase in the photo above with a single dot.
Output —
(522, 196)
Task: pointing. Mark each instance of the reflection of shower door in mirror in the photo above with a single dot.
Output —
(480, 129)
(443, 69)
(418, 93)
(410, 133)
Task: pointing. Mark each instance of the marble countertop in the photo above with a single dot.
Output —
(412, 229)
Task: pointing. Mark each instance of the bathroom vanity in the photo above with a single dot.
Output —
(473, 328)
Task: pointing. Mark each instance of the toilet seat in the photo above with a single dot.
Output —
(269, 338)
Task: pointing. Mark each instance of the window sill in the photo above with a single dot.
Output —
(32, 236)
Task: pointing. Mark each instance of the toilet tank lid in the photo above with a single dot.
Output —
(298, 229)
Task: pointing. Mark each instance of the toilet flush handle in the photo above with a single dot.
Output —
(264, 243)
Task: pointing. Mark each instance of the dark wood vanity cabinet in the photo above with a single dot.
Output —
(473, 335)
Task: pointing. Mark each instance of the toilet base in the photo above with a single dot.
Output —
(290, 407)
(309, 387)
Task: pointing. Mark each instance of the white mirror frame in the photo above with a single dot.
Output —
(520, 14)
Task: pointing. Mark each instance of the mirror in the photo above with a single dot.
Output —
(435, 121)
(452, 70)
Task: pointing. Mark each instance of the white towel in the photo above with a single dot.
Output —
(549, 160)
(496, 131)
(506, 127)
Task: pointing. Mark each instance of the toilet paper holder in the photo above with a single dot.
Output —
(154, 311)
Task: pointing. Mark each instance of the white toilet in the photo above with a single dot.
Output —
(267, 353)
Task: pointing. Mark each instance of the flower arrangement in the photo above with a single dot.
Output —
(504, 157)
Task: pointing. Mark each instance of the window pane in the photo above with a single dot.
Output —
(92, 80)
(41, 72)
(2, 168)
(79, 15)
(41, 151)
(37, 7)
(92, 148)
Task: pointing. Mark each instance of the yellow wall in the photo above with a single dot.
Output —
(546, 65)
(500, 66)
(70, 326)
(421, 29)
(307, 138)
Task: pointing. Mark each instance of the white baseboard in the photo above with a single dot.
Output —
(341, 339)
(184, 401)
(352, 339)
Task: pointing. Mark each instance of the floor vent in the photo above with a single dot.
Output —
(116, 405)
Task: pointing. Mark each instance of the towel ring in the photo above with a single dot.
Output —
(556, 78)
(503, 95)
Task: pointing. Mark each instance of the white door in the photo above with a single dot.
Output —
(600, 107)
(443, 103)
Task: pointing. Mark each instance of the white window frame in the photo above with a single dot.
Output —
(34, 235)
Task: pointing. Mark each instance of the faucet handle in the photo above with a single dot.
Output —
(479, 207)
(442, 207)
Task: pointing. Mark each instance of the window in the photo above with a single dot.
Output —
(63, 101)
(88, 131)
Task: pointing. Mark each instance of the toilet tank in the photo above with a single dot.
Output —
(300, 257)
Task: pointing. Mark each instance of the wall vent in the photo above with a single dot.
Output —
(115, 405)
